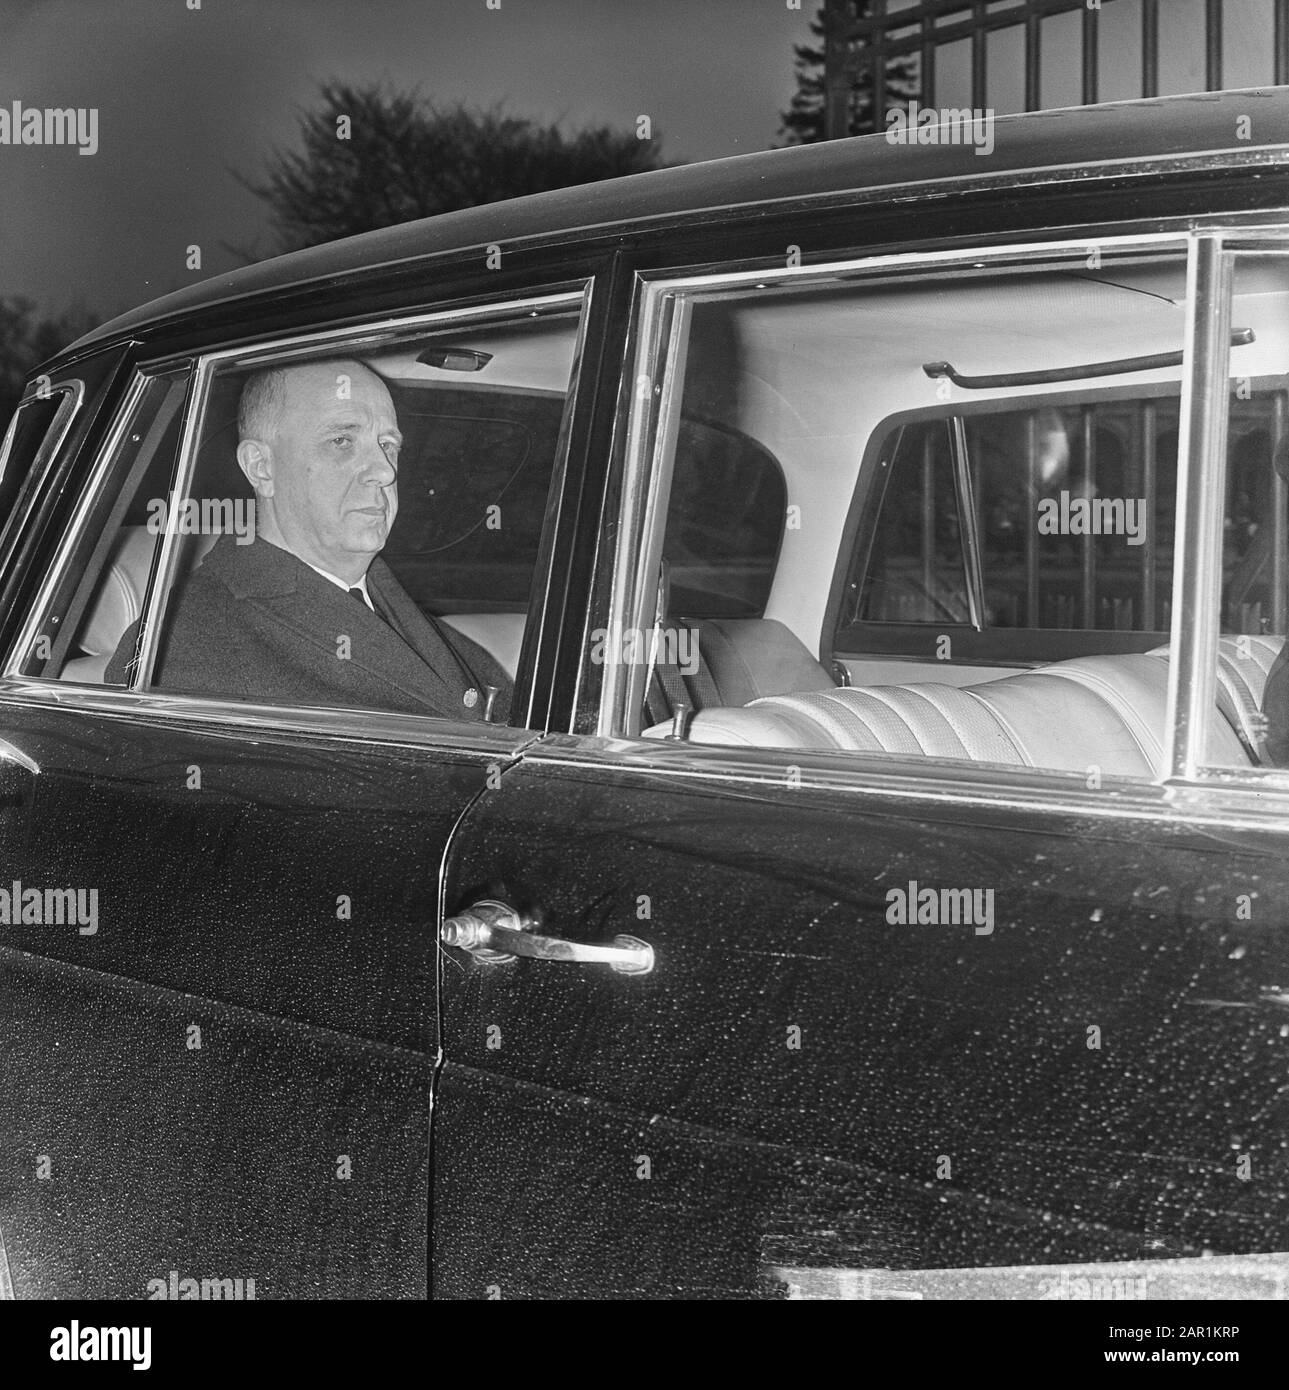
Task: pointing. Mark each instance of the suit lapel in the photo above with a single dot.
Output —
(414, 661)
(421, 632)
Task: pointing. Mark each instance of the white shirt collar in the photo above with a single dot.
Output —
(343, 584)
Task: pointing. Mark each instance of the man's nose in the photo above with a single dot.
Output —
(377, 467)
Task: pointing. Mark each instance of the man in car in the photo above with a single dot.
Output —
(308, 613)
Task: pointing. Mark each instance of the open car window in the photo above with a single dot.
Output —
(976, 551)
(407, 468)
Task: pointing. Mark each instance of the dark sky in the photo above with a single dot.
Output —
(186, 95)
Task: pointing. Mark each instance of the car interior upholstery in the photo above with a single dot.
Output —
(1099, 712)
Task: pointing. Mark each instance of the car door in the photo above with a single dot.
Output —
(746, 1056)
(219, 953)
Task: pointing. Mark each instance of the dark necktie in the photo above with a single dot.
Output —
(357, 593)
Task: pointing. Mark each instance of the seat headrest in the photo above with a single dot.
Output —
(752, 657)
(119, 600)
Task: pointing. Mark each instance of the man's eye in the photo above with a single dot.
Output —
(340, 439)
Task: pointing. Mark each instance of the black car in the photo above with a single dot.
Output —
(875, 884)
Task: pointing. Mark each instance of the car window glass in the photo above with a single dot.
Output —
(362, 525)
(976, 552)
(1033, 473)
(1036, 475)
(916, 570)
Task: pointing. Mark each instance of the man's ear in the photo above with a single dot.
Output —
(255, 459)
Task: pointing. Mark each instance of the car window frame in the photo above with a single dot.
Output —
(338, 721)
(47, 452)
(1183, 785)
(1197, 643)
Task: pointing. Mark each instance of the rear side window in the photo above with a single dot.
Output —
(1073, 506)
(1037, 474)
(916, 572)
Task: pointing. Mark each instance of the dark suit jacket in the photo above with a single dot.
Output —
(256, 623)
(1275, 705)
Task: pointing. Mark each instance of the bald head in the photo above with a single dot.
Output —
(263, 401)
(318, 441)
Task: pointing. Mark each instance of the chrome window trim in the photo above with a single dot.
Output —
(644, 352)
(244, 721)
(646, 496)
(1261, 781)
(1181, 768)
(10, 754)
(364, 336)
(897, 779)
(1265, 780)
(1201, 500)
(976, 256)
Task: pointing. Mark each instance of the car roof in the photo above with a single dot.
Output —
(1203, 128)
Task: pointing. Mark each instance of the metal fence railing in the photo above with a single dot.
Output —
(864, 37)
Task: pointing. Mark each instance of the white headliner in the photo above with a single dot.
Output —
(820, 375)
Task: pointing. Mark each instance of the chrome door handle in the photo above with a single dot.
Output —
(494, 931)
(10, 754)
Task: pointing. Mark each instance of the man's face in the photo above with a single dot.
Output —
(333, 467)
